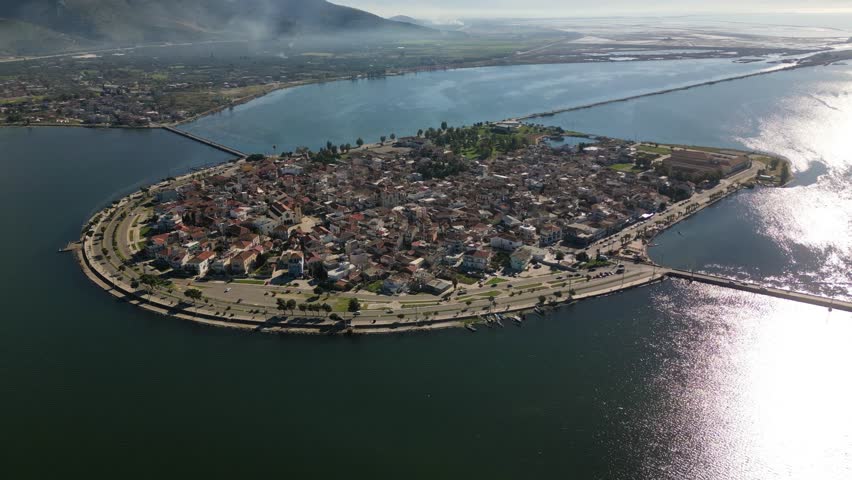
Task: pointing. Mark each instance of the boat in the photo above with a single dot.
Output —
(538, 310)
(516, 319)
(499, 323)
(470, 327)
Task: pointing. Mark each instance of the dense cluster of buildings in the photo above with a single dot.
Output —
(378, 219)
(100, 104)
(702, 164)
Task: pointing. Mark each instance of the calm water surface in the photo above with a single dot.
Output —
(343, 111)
(675, 381)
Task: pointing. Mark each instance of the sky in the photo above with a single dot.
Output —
(449, 9)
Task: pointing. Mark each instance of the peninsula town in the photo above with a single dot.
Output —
(428, 231)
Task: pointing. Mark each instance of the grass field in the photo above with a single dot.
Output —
(659, 150)
(625, 167)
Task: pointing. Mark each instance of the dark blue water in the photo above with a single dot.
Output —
(672, 381)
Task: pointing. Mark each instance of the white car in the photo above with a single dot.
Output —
(227, 289)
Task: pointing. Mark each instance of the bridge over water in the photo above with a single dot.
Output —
(209, 143)
(760, 289)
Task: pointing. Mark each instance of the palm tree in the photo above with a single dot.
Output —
(326, 308)
(291, 305)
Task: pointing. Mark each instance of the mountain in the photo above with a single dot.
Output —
(406, 19)
(448, 26)
(141, 21)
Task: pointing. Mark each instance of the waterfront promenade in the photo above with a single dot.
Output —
(111, 256)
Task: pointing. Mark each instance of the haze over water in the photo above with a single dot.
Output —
(671, 381)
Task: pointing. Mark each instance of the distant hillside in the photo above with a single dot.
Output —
(405, 19)
(142, 21)
(22, 38)
(449, 26)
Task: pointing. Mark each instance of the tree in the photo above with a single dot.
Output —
(291, 305)
(150, 281)
(255, 157)
(542, 299)
(193, 294)
(282, 304)
(318, 290)
(383, 138)
(583, 257)
(420, 132)
(303, 307)
(785, 173)
(354, 305)
(359, 142)
(560, 256)
(326, 308)
(393, 136)
(443, 125)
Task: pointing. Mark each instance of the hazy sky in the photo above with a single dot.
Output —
(550, 8)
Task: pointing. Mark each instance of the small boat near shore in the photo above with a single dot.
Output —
(470, 327)
(539, 310)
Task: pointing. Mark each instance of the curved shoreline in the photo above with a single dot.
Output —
(415, 70)
(121, 216)
(84, 250)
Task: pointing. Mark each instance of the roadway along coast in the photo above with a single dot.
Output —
(114, 237)
(253, 307)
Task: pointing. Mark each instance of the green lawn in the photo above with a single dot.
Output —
(144, 231)
(374, 287)
(625, 167)
(249, 281)
(492, 293)
(495, 281)
(462, 278)
(659, 150)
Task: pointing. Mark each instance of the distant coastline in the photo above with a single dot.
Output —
(818, 59)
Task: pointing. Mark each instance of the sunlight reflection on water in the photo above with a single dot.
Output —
(756, 388)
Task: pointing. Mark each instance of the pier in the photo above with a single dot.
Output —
(761, 289)
(651, 94)
(209, 143)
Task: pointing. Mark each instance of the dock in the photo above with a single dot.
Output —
(71, 247)
(761, 289)
(209, 143)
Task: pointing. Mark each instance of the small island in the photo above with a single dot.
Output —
(453, 227)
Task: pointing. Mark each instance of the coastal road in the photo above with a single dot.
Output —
(678, 211)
